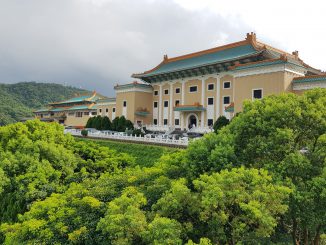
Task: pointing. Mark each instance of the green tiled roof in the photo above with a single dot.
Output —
(79, 99)
(310, 79)
(230, 109)
(42, 110)
(80, 107)
(106, 100)
(260, 64)
(57, 109)
(132, 85)
(189, 108)
(142, 113)
(205, 59)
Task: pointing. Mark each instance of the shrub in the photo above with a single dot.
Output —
(84, 132)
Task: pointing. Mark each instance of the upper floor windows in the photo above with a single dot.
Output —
(210, 86)
(177, 90)
(166, 91)
(257, 93)
(107, 110)
(166, 103)
(155, 92)
(226, 100)
(227, 85)
(124, 103)
(155, 104)
(177, 102)
(113, 109)
(193, 89)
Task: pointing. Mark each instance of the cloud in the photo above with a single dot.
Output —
(96, 43)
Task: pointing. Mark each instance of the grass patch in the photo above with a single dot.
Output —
(145, 155)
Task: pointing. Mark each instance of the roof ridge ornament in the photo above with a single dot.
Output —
(283, 57)
(165, 58)
(296, 54)
(251, 37)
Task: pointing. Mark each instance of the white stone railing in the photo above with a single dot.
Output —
(157, 128)
(123, 136)
(201, 130)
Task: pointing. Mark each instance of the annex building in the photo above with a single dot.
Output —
(191, 91)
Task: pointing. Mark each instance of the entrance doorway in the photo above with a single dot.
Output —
(192, 121)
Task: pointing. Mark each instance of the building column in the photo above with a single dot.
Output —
(218, 97)
(171, 104)
(160, 107)
(203, 88)
(182, 103)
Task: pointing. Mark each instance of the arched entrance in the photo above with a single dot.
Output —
(192, 121)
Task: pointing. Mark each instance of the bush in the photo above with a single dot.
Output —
(84, 132)
(220, 123)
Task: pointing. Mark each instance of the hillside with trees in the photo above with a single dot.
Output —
(20, 99)
(261, 179)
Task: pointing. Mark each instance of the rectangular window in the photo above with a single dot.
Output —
(210, 86)
(155, 121)
(124, 103)
(257, 94)
(113, 109)
(70, 114)
(94, 113)
(86, 113)
(79, 114)
(100, 110)
(193, 89)
(156, 92)
(166, 103)
(210, 122)
(227, 85)
(210, 101)
(166, 91)
(177, 102)
(226, 100)
(165, 121)
(155, 104)
(107, 110)
(177, 90)
(176, 122)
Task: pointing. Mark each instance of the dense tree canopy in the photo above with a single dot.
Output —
(260, 180)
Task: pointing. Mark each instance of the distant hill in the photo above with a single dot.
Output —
(20, 99)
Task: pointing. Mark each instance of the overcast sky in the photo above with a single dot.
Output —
(95, 44)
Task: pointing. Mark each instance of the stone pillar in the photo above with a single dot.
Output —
(182, 103)
(160, 107)
(218, 97)
(203, 88)
(171, 105)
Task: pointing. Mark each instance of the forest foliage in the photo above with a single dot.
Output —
(20, 99)
(260, 180)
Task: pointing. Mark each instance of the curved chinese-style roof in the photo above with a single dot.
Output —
(220, 59)
(314, 78)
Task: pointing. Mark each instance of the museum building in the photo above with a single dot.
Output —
(191, 91)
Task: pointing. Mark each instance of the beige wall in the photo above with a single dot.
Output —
(72, 120)
(192, 98)
(271, 83)
(101, 110)
(135, 101)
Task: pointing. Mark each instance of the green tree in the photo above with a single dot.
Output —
(106, 123)
(241, 205)
(286, 135)
(124, 221)
(115, 123)
(163, 231)
(220, 123)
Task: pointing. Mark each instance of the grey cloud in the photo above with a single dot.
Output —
(95, 46)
